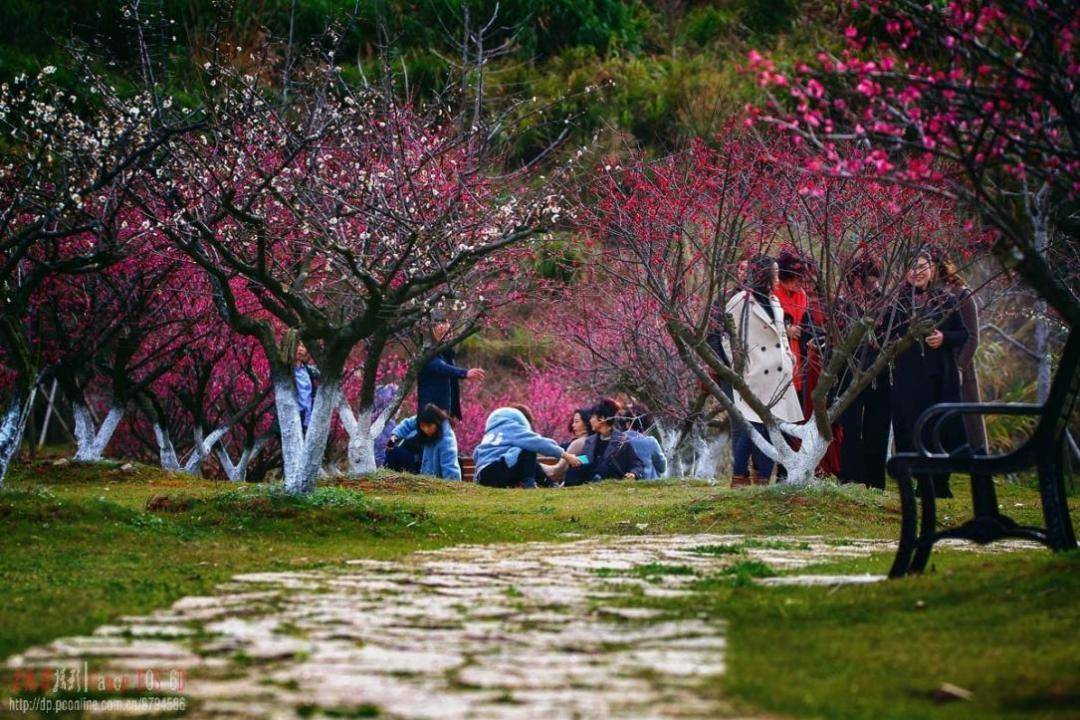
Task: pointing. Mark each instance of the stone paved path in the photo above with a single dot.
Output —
(498, 631)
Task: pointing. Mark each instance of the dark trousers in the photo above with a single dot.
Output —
(865, 441)
(907, 405)
(524, 473)
(403, 460)
(744, 449)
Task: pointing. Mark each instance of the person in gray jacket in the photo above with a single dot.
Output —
(647, 447)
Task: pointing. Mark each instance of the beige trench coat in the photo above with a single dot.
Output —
(769, 364)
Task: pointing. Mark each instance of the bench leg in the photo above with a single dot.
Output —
(908, 509)
(1059, 529)
(983, 496)
(927, 527)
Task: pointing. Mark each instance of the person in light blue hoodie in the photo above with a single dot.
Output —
(506, 455)
(645, 446)
(426, 443)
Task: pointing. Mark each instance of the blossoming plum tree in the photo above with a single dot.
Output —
(972, 99)
(676, 230)
(340, 218)
(66, 178)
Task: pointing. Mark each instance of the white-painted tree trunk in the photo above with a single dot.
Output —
(696, 457)
(237, 472)
(90, 442)
(707, 456)
(362, 431)
(801, 464)
(1041, 223)
(302, 452)
(12, 427)
(166, 450)
(202, 448)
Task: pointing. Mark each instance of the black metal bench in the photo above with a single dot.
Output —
(1043, 451)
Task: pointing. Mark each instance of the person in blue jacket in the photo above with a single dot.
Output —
(439, 382)
(646, 447)
(306, 378)
(425, 443)
(506, 455)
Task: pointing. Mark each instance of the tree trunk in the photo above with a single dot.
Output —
(13, 424)
(362, 432)
(90, 443)
(1043, 374)
(801, 464)
(166, 450)
(203, 447)
(1040, 222)
(237, 472)
(302, 452)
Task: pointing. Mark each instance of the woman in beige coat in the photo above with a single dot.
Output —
(761, 340)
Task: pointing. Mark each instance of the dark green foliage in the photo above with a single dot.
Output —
(705, 25)
(622, 70)
(766, 17)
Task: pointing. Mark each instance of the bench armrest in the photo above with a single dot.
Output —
(943, 411)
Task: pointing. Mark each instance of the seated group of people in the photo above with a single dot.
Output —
(607, 442)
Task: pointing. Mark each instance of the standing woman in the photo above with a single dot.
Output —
(763, 343)
(974, 425)
(864, 441)
(926, 373)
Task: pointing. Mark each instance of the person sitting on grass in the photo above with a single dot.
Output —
(506, 455)
(609, 450)
(579, 430)
(425, 443)
(638, 422)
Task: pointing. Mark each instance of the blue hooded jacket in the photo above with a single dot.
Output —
(440, 458)
(506, 434)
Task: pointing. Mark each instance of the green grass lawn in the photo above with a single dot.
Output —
(80, 545)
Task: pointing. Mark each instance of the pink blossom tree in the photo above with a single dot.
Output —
(108, 335)
(66, 179)
(340, 218)
(972, 99)
(676, 229)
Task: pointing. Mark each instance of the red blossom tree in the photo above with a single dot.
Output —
(972, 99)
(69, 168)
(341, 218)
(676, 229)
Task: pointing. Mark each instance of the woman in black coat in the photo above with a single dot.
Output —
(926, 373)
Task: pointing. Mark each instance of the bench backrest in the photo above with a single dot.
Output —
(468, 467)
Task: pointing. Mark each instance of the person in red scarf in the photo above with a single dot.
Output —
(793, 300)
(803, 315)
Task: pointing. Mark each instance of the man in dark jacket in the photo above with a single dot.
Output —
(439, 382)
(610, 453)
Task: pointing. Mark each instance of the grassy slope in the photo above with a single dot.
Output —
(78, 547)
